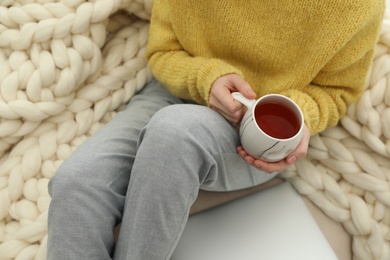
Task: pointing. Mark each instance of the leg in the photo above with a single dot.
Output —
(88, 190)
(182, 149)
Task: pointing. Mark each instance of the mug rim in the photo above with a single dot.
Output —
(297, 108)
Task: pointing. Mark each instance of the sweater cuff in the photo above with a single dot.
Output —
(207, 74)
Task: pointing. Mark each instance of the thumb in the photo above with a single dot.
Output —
(244, 88)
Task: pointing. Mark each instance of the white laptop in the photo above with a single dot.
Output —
(273, 224)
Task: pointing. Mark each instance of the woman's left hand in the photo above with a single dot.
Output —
(279, 166)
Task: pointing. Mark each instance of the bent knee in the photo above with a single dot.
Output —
(192, 120)
(64, 179)
(185, 118)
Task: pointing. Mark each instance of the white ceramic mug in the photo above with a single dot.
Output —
(277, 130)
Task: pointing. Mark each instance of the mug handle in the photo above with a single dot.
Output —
(240, 98)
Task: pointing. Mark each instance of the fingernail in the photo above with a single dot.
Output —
(251, 93)
(292, 159)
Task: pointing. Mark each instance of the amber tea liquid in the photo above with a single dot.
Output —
(277, 120)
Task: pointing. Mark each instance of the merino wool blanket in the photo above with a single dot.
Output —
(66, 69)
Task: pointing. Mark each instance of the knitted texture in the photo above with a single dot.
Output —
(304, 51)
(67, 67)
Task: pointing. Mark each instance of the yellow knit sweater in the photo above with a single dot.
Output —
(316, 52)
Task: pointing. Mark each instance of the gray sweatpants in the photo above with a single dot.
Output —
(144, 170)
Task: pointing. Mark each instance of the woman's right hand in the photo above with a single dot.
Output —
(222, 101)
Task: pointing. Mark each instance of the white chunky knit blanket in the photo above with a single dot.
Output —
(67, 67)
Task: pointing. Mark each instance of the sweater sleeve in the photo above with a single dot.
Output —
(341, 81)
(184, 75)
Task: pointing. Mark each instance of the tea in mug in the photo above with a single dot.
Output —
(277, 120)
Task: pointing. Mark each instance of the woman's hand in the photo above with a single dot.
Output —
(297, 154)
(222, 101)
